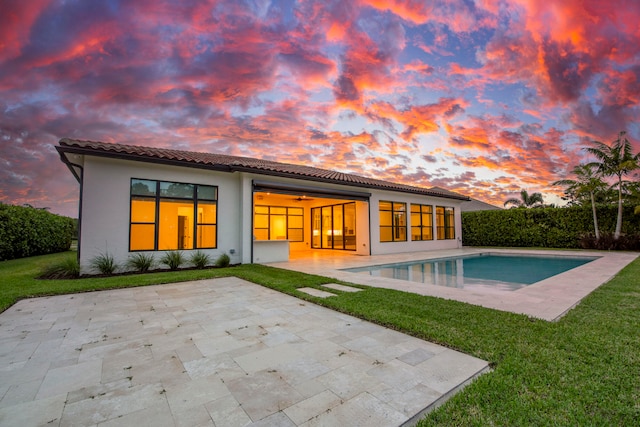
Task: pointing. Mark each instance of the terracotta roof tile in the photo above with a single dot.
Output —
(245, 164)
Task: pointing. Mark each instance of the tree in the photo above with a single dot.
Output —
(633, 195)
(616, 160)
(586, 183)
(526, 200)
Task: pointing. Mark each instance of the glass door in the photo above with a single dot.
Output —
(334, 227)
(316, 228)
(327, 227)
(350, 226)
(338, 227)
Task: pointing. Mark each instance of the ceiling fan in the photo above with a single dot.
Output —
(301, 199)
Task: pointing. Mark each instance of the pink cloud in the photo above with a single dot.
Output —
(458, 15)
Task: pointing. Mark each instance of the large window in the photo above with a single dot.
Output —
(421, 222)
(393, 221)
(445, 221)
(172, 215)
(278, 223)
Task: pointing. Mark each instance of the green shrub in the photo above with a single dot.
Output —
(27, 231)
(104, 263)
(200, 260)
(607, 242)
(141, 262)
(67, 269)
(548, 227)
(223, 261)
(173, 259)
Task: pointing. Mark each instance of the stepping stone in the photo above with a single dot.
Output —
(316, 292)
(342, 288)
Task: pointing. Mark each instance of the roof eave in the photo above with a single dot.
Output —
(142, 158)
(66, 161)
(237, 168)
(418, 191)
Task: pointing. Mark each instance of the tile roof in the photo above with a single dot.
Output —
(477, 205)
(471, 204)
(240, 164)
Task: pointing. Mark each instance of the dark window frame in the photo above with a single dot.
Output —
(395, 226)
(342, 207)
(421, 226)
(287, 215)
(446, 229)
(157, 198)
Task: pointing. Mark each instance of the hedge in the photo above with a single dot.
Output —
(542, 227)
(26, 231)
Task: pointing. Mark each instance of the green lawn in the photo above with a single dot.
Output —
(581, 370)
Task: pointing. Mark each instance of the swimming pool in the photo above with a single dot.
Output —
(484, 270)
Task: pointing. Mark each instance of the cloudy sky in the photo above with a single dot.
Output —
(484, 97)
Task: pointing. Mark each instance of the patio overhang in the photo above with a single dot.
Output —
(309, 191)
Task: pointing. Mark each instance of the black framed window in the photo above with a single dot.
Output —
(421, 222)
(445, 223)
(278, 223)
(393, 221)
(168, 215)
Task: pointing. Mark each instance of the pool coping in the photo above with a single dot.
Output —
(548, 299)
(470, 282)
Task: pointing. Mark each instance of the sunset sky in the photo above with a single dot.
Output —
(483, 97)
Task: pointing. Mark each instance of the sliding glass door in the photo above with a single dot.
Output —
(334, 227)
(350, 226)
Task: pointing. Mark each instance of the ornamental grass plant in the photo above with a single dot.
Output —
(141, 262)
(67, 268)
(173, 259)
(104, 263)
(200, 260)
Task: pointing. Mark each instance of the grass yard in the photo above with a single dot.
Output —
(581, 370)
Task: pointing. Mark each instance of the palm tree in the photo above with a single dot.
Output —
(633, 194)
(617, 160)
(586, 183)
(526, 200)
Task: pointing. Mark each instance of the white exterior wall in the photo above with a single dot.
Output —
(106, 203)
(363, 245)
(246, 195)
(379, 248)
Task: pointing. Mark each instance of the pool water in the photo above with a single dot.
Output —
(502, 272)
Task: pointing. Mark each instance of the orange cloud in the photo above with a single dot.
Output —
(417, 119)
(529, 154)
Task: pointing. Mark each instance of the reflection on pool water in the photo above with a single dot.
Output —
(502, 272)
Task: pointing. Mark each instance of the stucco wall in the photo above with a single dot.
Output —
(106, 199)
(105, 206)
(378, 247)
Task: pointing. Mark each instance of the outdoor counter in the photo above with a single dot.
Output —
(270, 251)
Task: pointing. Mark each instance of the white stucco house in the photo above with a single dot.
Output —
(142, 199)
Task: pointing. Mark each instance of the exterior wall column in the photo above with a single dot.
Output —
(246, 213)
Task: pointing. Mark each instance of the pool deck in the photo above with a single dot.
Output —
(548, 299)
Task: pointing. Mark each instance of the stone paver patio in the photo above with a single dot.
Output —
(219, 352)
